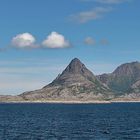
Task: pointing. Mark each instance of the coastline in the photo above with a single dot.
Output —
(59, 102)
(70, 102)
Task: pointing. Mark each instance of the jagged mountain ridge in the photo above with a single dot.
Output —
(76, 82)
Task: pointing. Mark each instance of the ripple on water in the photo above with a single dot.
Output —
(65, 122)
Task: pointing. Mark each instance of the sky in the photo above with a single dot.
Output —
(38, 39)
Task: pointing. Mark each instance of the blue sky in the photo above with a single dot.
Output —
(38, 38)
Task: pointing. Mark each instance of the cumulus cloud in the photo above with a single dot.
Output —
(25, 40)
(56, 40)
(93, 14)
(89, 41)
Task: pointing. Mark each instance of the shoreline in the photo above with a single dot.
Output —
(68, 102)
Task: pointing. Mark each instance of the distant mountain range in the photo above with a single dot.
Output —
(77, 83)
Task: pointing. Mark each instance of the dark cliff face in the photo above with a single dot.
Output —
(122, 78)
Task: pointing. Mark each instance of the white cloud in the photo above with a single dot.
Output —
(93, 14)
(107, 1)
(56, 40)
(28, 41)
(25, 40)
(89, 41)
(111, 1)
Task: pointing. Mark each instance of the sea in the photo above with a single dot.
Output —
(49, 121)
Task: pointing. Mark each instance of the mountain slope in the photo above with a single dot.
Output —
(123, 79)
(75, 83)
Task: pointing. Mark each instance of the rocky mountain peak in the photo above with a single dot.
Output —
(75, 82)
(75, 72)
(75, 66)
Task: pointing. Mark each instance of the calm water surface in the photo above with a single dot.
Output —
(118, 121)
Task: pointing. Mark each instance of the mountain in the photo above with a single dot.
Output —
(76, 82)
(125, 79)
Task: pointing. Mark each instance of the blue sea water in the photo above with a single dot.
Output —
(116, 121)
